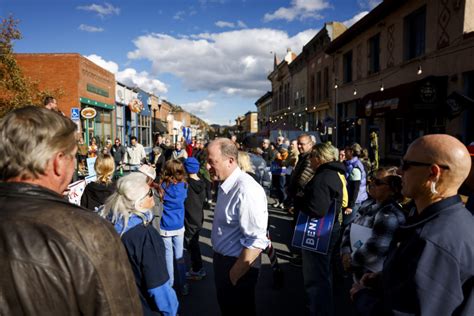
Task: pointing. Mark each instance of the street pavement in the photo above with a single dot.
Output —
(288, 300)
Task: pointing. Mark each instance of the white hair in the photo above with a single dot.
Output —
(131, 189)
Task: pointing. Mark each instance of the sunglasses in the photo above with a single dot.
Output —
(406, 164)
(150, 193)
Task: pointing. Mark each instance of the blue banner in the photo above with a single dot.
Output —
(314, 234)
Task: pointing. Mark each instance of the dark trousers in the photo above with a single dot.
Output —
(317, 278)
(191, 239)
(234, 300)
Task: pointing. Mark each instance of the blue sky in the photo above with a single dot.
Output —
(210, 56)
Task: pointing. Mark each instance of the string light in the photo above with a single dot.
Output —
(420, 71)
(382, 87)
(355, 91)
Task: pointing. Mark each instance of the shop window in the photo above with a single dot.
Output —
(144, 130)
(374, 54)
(347, 66)
(119, 122)
(415, 34)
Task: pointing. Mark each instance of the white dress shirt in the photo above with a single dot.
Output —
(240, 216)
(136, 154)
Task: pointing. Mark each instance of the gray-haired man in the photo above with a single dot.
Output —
(56, 258)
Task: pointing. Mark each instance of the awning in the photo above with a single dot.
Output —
(160, 127)
(426, 94)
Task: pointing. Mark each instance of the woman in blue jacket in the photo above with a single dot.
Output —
(129, 209)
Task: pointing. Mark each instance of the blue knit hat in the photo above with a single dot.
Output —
(191, 165)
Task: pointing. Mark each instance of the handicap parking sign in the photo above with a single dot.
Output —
(75, 116)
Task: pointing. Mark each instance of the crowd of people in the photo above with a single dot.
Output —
(399, 236)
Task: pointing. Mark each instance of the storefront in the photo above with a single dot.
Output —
(138, 120)
(97, 90)
(101, 127)
(403, 113)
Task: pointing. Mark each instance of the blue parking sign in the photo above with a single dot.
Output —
(75, 116)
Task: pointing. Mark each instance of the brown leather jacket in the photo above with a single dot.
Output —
(58, 259)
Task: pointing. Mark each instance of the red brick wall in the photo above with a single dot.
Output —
(54, 71)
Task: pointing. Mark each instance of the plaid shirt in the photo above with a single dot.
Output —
(384, 219)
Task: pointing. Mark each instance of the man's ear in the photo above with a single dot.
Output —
(435, 172)
(58, 163)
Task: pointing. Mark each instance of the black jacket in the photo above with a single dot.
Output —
(95, 194)
(323, 189)
(59, 259)
(194, 205)
(429, 269)
(118, 152)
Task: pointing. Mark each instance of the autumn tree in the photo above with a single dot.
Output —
(15, 90)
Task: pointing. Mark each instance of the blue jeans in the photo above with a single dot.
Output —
(317, 278)
(174, 250)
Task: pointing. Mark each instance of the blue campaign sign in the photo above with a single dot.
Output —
(75, 114)
(314, 234)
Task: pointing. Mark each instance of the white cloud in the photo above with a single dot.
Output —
(368, 4)
(90, 28)
(143, 80)
(241, 24)
(235, 62)
(130, 76)
(199, 108)
(179, 15)
(355, 18)
(108, 65)
(101, 10)
(299, 9)
(223, 24)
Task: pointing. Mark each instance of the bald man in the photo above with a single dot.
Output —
(430, 268)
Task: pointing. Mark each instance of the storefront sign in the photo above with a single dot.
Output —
(88, 113)
(97, 90)
(135, 106)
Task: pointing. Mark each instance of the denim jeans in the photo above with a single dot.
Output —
(279, 182)
(174, 251)
(317, 278)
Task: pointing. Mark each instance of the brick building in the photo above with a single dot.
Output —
(404, 70)
(83, 83)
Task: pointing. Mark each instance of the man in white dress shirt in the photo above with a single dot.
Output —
(136, 154)
(238, 232)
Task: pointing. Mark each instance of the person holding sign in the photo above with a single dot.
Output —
(366, 240)
(321, 206)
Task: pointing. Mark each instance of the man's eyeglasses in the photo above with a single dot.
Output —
(302, 144)
(406, 164)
